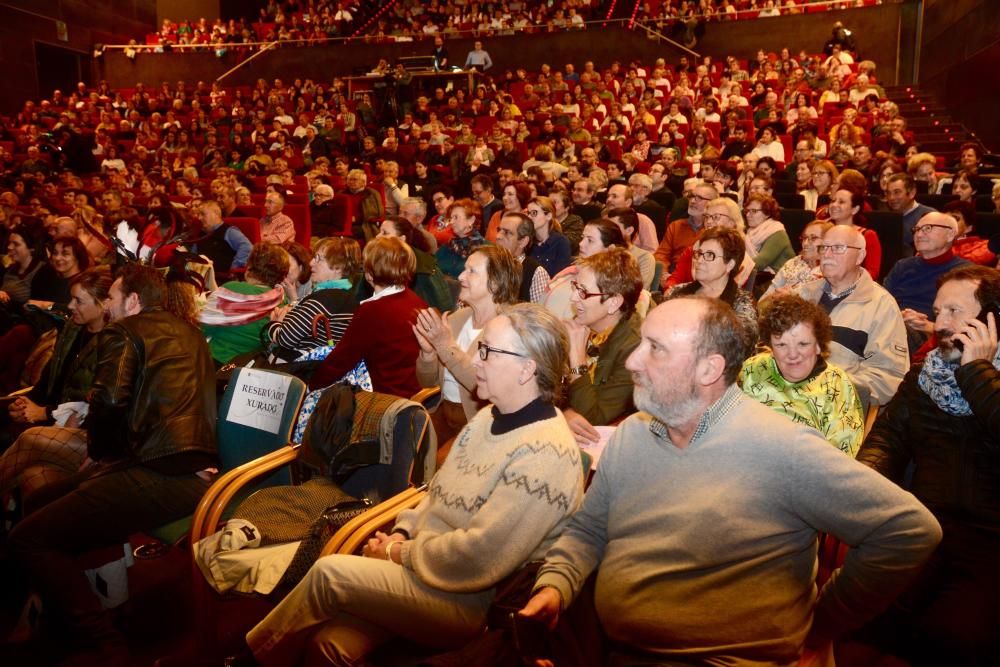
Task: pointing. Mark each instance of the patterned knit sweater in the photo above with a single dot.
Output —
(497, 502)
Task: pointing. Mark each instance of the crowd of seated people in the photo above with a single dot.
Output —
(316, 21)
(597, 231)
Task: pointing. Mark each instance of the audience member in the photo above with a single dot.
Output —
(653, 560)
(869, 337)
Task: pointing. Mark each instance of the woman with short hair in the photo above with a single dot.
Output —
(381, 334)
(490, 281)
(599, 235)
(602, 334)
(321, 318)
(804, 267)
(793, 377)
(717, 256)
(501, 498)
(824, 180)
(768, 244)
(465, 218)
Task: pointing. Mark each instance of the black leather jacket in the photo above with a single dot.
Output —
(153, 395)
(957, 459)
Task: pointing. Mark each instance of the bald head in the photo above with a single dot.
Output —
(934, 234)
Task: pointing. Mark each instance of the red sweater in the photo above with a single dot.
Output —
(381, 335)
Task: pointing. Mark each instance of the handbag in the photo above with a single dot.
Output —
(329, 522)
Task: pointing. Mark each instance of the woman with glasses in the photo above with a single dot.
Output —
(551, 249)
(845, 209)
(768, 244)
(793, 377)
(722, 212)
(501, 498)
(602, 334)
(717, 256)
(824, 178)
(490, 281)
(598, 235)
(804, 267)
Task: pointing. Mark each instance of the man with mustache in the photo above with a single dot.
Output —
(869, 337)
(942, 431)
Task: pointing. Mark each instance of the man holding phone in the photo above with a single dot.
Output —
(944, 424)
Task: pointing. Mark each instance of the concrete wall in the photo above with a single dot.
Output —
(960, 61)
(877, 29)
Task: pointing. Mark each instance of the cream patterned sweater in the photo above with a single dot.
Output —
(497, 502)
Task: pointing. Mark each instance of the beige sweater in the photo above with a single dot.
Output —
(497, 502)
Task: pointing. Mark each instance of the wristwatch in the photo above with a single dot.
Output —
(579, 370)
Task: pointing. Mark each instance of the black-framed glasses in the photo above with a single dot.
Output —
(706, 255)
(927, 227)
(582, 291)
(748, 211)
(716, 217)
(836, 249)
(485, 350)
(695, 195)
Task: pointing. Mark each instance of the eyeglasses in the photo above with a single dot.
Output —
(706, 255)
(748, 211)
(695, 195)
(716, 217)
(927, 227)
(534, 213)
(484, 352)
(822, 173)
(582, 291)
(812, 238)
(837, 249)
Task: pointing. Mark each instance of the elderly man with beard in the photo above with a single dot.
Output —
(703, 529)
(942, 432)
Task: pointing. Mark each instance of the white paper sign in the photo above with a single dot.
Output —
(259, 400)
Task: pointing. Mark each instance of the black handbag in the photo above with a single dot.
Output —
(329, 522)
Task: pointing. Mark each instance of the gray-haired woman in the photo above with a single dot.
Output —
(501, 498)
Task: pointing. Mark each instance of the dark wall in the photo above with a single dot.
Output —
(959, 60)
(877, 29)
(25, 22)
(177, 10)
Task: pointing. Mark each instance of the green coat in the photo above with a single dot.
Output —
(826, 400)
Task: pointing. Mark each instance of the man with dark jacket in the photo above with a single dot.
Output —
(150, 453)
(944, 425)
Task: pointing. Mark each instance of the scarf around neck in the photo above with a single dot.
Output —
(761, 233)
(937, 380)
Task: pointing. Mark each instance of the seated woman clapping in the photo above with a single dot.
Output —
(491, 280)
(504, 494)
(602, 334)
(793, 377)
(322, 317)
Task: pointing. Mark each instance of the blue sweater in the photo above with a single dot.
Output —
(913, 281)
